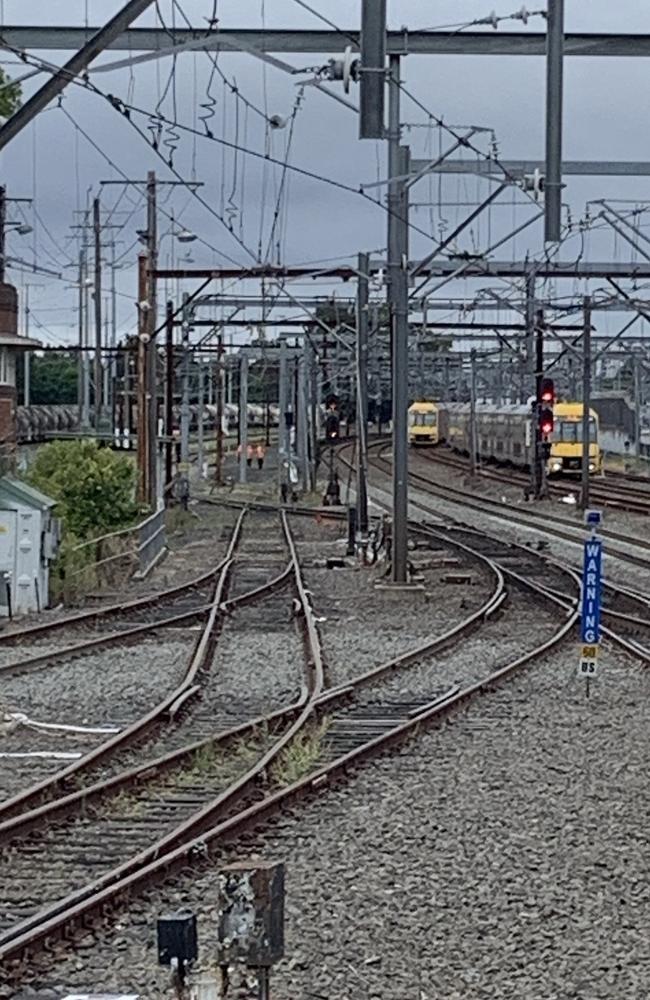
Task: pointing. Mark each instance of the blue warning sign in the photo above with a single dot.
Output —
(591, 588)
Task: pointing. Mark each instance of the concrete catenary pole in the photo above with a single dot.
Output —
(398, 166)
(283, 434)
(169, 395)
(142, 397)
(219, 418)
(185, 384)
(473, 436)
(243, 416)
(362, 393)
(554, 80)
(302, 416)
(586, 399)
(152, 374)
(199, 415)
(27, 359)
(98, 375)
(636, 362)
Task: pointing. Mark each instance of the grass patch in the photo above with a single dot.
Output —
(300, 756)
(212, 760)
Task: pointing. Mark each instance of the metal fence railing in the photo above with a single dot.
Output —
(151, 541)
(112, 559)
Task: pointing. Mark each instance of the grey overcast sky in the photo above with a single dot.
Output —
(607, 106)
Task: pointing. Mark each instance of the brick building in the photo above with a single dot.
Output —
(12, 347)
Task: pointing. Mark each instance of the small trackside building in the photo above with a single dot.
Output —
(29, 537)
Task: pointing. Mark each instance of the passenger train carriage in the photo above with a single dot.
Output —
(504, 433)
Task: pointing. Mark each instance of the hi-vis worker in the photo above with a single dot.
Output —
(250, 451)
(260, 456)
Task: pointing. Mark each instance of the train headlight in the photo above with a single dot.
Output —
(592, 467)
(556, 466)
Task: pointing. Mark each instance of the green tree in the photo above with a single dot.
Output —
(53, 379)
(93, 486)
(10, 95)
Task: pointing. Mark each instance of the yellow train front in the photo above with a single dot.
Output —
(423, 425)
(566, 441)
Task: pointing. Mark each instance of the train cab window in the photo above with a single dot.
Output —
(570, 431)
(423, 419)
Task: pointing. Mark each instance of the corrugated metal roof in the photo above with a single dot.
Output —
(21, 343)
(17, 489)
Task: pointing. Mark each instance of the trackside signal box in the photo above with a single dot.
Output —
(250, 913)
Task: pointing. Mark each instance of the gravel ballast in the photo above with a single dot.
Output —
(501, 856)
(110, 688)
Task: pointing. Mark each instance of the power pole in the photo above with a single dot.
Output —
(243, 416)
(473, 445)
(98, 375)
(636, 362)
(586, 400)
(554, 81)
(83, 382)
(302, 414)
(26, 362)
(141, 406)
(539, 457)
(3, 231)
(283, 436)
(219, 428)
(113, 338)
(314, 414)
(362, 394)
(372, 69)
(169, 396)
(199, 416)
(398, 255)
(152, 380)
(185, 390)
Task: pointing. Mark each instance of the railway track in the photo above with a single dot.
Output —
(626, 610)
(544, 522)
(612, 492)
(161, 798)
(101, 627)
(356, 733)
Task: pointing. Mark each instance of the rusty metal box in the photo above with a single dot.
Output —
(177, 938)
(251, 913)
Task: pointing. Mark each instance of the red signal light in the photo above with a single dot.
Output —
(546, 422)
(547, 392)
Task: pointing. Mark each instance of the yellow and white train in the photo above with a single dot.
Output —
(505, 433)
(423, 423)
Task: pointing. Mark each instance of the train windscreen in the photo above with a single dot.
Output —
(570, 431)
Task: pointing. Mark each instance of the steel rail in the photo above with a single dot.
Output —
(231, 795)
(109, 610)
(68, 805)
(26, 822)
(616, 497)
(635, 649)
(548, 524)
(63, 921)
(79, 649)
(32, 796)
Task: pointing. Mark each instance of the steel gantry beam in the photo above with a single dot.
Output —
(288, 40)
(523, 168)
(474, 268)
